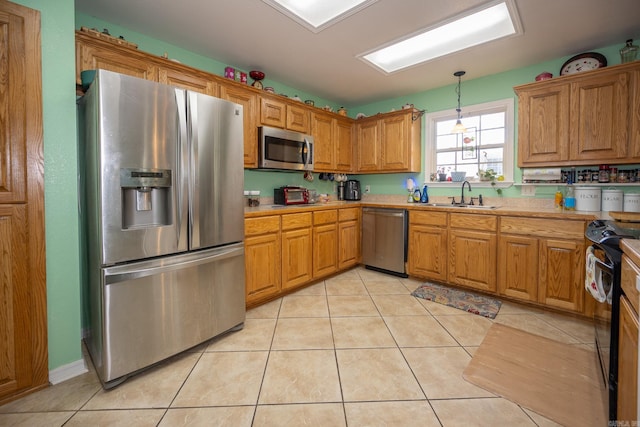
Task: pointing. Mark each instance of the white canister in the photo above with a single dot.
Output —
(612, 200)
(588, 198)
(632, 202)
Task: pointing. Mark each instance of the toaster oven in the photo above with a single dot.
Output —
(290, 196)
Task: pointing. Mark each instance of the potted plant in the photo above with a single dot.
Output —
(489, 175)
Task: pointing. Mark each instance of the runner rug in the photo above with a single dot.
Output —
(456, 298)
(556, 380)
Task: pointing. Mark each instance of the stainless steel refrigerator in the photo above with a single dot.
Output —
(161, 184)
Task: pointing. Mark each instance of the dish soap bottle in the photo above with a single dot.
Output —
(424, 197)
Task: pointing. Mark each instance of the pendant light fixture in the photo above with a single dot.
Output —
(459, 127)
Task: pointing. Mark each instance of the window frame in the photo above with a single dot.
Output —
(507, 105)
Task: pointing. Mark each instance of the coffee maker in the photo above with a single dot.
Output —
(352, 190)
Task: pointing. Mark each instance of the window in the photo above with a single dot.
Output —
(487, 144)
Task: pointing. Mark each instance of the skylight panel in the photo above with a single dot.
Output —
(492, 22)
(316, 15)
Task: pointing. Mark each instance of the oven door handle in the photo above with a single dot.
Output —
(603, 265)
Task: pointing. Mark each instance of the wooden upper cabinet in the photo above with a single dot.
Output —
(543, 132)
(600, 117)
(634, 114)
(343, 144)
(298, 118)
(281, 114)
(192, 82)
(93, 54)
(249, 102)
(332, 142)
(394, 133)
(389, 142)
(273, 112)
(581, 119)
(367, 141)
(322, 130)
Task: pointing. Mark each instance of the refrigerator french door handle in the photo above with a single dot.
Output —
(155, 269)
(194, 199)
(182, 158)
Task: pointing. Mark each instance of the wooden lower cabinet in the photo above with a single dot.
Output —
(518, 272)
(325, 243)
(542, 260)
(349, 225)
(472, 254)
(628, 337)
(561, 273)
(628, 362)
(297, 249)
(287, 251)
(428, 245)
(262, 258)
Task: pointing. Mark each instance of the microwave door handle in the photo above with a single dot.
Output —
(305, 158)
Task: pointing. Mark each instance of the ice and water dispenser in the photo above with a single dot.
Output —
(146, 197)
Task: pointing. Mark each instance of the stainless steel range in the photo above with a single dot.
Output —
(606, 236)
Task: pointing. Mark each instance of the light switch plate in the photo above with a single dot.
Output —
(638, 283)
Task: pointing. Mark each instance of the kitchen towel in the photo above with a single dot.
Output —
(593, 278)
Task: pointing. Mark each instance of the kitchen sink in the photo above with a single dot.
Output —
(457, 205)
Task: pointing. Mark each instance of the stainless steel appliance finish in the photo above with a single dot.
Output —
(384, 240)
(606, 236)
(284, 149)
(352, 190)
(162, 213)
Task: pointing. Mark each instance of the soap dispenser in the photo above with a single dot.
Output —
(424, 197)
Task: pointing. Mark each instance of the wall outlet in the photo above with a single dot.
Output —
(367, 189)
(528, 190)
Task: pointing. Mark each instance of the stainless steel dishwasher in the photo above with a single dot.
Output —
(384, 240)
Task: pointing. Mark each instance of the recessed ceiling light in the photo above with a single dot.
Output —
(316, 15)
(490, 22)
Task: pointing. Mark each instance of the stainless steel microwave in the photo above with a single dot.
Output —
(284, 149)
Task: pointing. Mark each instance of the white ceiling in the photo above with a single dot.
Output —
(249, 34)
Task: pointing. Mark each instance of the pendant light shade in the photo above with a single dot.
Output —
(459, 127)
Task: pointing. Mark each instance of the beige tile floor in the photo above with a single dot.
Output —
(353, 350)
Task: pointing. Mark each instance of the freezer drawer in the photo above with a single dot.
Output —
(148, 311)
(384, 240)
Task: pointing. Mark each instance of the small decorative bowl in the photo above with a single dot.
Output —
(544, 76)
(458, 176)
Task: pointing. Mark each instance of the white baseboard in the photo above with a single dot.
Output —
(67, 371)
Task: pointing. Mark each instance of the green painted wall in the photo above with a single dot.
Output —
(63, 277)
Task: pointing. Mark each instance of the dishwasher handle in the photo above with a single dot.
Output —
(384, 212)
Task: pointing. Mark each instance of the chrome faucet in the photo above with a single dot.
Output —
(462, 196)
